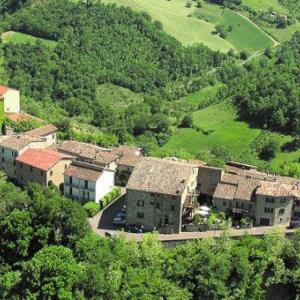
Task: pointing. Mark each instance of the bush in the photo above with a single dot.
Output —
(91, 208)
(187, 121)
(244, 55)
(112, 195)
(269, 150)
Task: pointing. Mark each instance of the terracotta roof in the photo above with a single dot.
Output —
(42, 159)
(159, 176)
(22, 116)
(88, 151)
(18, 142)
(83, 173)
(190, 162)
(128, 155)
(3, 90)
(246, 188)
(42, 131)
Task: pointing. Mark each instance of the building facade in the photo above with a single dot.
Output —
(11, 98)
(87, 183)
(157, 192)
(42, 166)
(47, 132)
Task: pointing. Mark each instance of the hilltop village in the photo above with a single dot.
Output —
(161, 194)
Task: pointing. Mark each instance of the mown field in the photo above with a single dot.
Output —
(192, 25)
(265, 5)
(174, 15)
(20, 38)
(244, 35)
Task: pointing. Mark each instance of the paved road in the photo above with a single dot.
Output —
(102, 224)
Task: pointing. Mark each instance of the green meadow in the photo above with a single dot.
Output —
(21, 38)
(244, 34)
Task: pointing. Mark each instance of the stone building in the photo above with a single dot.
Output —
(13, 146)
(87, 183)
(274, 204)
(90, 154)
(48, 132)
(157, 192)
(268, 199)
(42, 166)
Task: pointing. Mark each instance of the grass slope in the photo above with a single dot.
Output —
(174, 17)
(265, 5)
(245, 35)
(21, 38)
(220, 121)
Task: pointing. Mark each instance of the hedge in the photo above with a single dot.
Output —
(91, 208)
(112, 195)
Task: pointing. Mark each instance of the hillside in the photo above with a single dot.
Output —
(192, 24)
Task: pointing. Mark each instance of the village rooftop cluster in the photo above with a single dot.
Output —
(160, 193)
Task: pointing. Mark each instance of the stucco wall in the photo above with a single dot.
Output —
(104, 184)
(51, 139)
(208, 179)
(12, 101)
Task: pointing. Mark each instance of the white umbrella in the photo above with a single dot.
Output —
(205, 208)
(203, 213)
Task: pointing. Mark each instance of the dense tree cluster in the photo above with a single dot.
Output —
(99, 43)
(48, 252)
(293, 7)
(268, 93)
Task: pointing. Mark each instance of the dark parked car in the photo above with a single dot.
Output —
(119, 219)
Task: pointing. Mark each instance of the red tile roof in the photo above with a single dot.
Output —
(3, 90)
(42, 159)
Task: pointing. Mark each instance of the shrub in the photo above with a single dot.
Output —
(91, 208)
(244, 55)
(187, 121)
(112, 195)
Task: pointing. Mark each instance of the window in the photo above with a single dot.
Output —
(51, 173)
(297, 202)
(140, 203)
(250, 207)
(53, 136)
(70, 179)
(297, 214)
(270, 200)
(140, 215)
(70, 191)
(282, 200)
(42, 173)
(2, 150)
(281, 211)
(224, 203)
(31, 169)
(269, 210)
(152, 194)
(173, 207)
(157, 205)
(12, 153)
(14, 163)
(21, 166)
(167, 221)
(66, 166)
(2, 159)
(86, 184)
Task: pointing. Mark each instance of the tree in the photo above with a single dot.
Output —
(51, 274)
(187, 121)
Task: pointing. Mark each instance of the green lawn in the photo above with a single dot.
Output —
(201, 95)
(245, 35)
(265, 5)
(21, 38)
(210, 12)
(220, 122)
(285, 34)
(174, 17)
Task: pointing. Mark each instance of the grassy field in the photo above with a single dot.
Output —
(174, 17)
(20, 38)
(244, 34)
(117, 96)
(223, 129)
(265, 5)
(201, 95)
